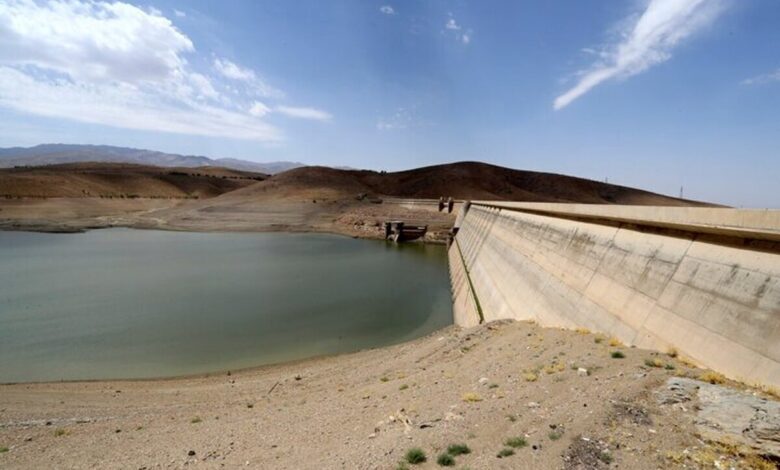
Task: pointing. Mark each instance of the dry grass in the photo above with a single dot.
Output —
(471, 397)
(530, 377)
(712, 377)
(614, 342)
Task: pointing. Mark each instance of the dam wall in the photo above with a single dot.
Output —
(702, 281)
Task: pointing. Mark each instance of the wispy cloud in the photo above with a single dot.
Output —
(763, 78)
(387, 10)
(304, 113)
(402, 118)
(648, 41)
(179, 13)
(452, 26)
(120, 65)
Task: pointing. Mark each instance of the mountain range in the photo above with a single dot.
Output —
(53, 154)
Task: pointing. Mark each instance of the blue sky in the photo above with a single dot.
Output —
(656, 94)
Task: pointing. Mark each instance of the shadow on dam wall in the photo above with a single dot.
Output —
(702, 281)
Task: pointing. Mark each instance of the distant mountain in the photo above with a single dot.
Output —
(51, 154)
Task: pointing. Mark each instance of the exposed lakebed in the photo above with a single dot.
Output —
(125, 303)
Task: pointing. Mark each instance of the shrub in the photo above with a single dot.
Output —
(458, 449)
(712, 377)
(415, 455)
(505, 453)
(598, 339)
(403, 387)
(671, 352)
(3, 450)
(614, 342)
(445, 460)
(554, 435)
(605, 457)
(530, 377)
(516, 442)
(196, 420)
(653, 362)
(60, 432)
(617, 355)
(471, 397)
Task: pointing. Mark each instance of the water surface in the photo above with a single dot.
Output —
(136, 304)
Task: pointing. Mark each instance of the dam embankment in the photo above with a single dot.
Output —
(702, 281)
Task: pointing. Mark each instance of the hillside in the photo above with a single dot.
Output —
(53, 154)
(462, 180)
(121, 180)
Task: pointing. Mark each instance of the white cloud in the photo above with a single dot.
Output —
(387, 10)
(231, 70)
(259, 109)
(304, 113)
(91, 41)
(126, 106)
(763, 79)
(452, 24)
(123, 66)
(179, 13)
(648, 42)
(235, 72)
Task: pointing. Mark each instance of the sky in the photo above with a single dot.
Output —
(658, 94)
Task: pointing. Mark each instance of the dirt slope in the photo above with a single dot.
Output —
(121, 180)
(463, 180)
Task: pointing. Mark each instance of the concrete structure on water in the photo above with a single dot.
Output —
(702, 281)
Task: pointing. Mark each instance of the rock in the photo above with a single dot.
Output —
(483, 380)
(725, 414)
(582, 372)
(532, 404)
(677, 390)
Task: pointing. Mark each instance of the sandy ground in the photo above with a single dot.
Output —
(573, 404)
(345, 216)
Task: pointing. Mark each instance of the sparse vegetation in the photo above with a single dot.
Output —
(712, 377)
(614, 342)
(554, 435)
(617, 355)
(671, 352)
(471, 397)
(598, 339)
(605, 457)
(516, 442)
(655, 362)
(403, 387)
(196, 420)
(445, 460)
(3, 449)
(583, 331)
(493, 386)
(60, 432)
(511, 418)
(415, 455)
(458, 449)
(530, 377)
(506, 452)
(669, 366)
(384, 379)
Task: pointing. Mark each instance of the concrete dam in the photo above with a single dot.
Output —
(704, 282)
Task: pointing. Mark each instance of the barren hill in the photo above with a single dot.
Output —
(462, 180)
(121, 180)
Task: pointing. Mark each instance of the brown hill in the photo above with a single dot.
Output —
(463, 180)
(121, 180)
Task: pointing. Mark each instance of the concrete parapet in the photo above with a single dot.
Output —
(704, 281)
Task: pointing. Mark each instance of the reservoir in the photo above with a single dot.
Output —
(123, 303)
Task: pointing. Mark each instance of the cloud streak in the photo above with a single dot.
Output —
(649, 41)
(763, 79)
(304, 113)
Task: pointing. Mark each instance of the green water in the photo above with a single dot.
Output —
(137, 304)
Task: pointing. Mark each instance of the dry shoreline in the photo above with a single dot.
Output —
(366, 409)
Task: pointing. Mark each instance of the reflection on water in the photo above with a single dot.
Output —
(126, 303)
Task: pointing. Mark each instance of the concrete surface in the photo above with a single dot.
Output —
(702, 281)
